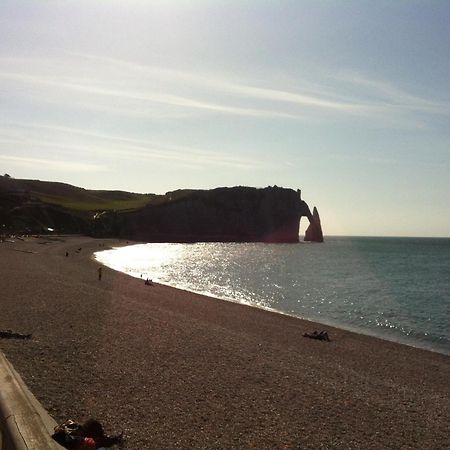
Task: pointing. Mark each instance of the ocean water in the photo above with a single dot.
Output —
(394, 288)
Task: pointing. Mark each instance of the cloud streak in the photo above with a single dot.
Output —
(166, 99)
(392, 96)
(51, 164)
(75, 142)
(242, 89)
(102, 86)
(383, 95)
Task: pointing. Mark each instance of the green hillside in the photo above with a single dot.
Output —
(73, 197)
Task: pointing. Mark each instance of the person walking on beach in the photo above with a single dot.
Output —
(99, 273)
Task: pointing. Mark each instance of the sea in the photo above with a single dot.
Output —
(394, 288)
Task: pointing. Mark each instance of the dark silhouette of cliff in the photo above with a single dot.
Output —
(314, 231)
(237, 214)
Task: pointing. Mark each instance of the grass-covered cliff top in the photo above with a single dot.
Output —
(73, 197)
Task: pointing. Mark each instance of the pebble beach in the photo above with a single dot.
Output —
(177, 370)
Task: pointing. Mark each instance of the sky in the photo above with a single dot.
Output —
(347, 100)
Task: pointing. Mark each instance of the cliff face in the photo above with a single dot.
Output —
(224, 214)
(314, 231)
(22, 213)
(239, 214)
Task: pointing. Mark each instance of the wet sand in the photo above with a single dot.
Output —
(177, 370)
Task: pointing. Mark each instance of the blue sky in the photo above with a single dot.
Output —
(347, 100)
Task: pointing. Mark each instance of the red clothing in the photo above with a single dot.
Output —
(88, 444)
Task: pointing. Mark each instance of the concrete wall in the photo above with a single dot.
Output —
(24, 423)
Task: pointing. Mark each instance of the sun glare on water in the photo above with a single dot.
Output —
(141, 260)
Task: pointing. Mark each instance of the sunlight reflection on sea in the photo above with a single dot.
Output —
(393, 288)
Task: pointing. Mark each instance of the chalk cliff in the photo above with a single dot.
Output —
(237, 214)
(314, 231)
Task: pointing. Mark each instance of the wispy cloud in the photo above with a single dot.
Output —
(79, 82)
(389, 96)
(146, 96)
(128, 88)
(365, 96)
(51, 164)
(76, 142)
(220, 84)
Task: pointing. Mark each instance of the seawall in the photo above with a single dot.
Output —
(24, 423)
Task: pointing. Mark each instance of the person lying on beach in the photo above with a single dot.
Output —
(8, 334)
(89, 435)
(322, 336)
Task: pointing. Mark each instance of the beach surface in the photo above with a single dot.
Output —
(177, 370)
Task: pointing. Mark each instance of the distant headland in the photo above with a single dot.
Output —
(235, 214)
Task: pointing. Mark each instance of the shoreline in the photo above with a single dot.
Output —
(313, 323)
(179, 370)
(415, 343)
